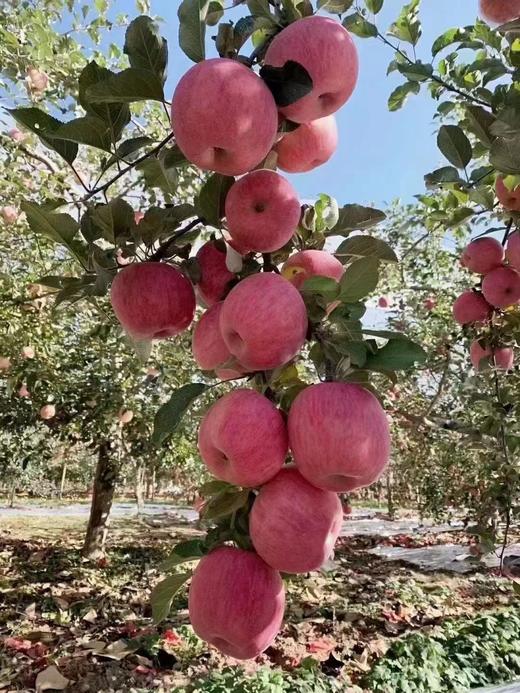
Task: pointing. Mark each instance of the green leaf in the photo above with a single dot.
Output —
(398, 97)
(507, 123)
(479, 122)
(211, 488)
(43, 125)
(192, 29)
(112, 221)
(214, 12)
(260, 8)
(327, 212)
(116, 115)
(455, 146)
(446, 174)
(323, 286)
(288, 83)
(163, 594)
(335, 6)
(169, 416)
(365, 246)
(212, 197)
(374, 6)
(416, 72)
(128, 147)
(396, 355)
(128, 86)
(359, 280)
(358, 25)
(159, 173)
(225, 503)
(505, 155)
(89, 130)
(146, 48)
(407, 26)
(184, 552)
(60, 228)
(447, 39)
(356, 218)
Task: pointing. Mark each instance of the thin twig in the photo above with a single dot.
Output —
(162, 251)
(39, 157)
(507, 231)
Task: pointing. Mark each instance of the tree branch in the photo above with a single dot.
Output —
(162, 251)
(39, 157)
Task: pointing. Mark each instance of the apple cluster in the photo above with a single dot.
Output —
(498, 265)
(335, 437)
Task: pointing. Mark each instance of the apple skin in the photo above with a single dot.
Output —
(236, 602)
(429, 303)
(513, 250)
(224, 117)
(152, 300)
(125, 416)
(47, 412)
(502, 357)
(500, 11)
(23, 391)
(384, 302)
(294, 525)
(5, 363)
(501, 287)
(209, 349)
(309, 146)
(328, 53)
(471, 306)
(339, 436)
(16, 135)
(264, 321)
(9, 214)
(243, 439)
(28, 352)
(483, 255)
(262, 211)
(215, 276)
(311, 263)
(509, 199)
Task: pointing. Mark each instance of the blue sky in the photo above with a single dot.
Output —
(381, 155)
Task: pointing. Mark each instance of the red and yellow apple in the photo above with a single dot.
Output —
(308, 146)
(311, 263)
(509, 199)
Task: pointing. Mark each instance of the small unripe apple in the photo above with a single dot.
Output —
(308, 146)
(501, 357)
(122, 259)
(5, 363)
(125, 415)
(243, 438)
(138, 216)
(152, 300)
(513, 250)
(23, 391)
(37, 80)
(294, 525)
(262, 212)
(215, 277)
(16, 135)
(326, 50)
(28, 352)
(224, 117)
(501, 287)
(384, 302)
(264, 321)
(153, 372)
(483, 255)
(311, 263)
(236, 602)
(208, 346)
(48, 411)
(339, 436)
(429, 303)
(500, 11)
(471, 306)
(9, 214)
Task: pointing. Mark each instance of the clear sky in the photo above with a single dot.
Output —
(381, 155)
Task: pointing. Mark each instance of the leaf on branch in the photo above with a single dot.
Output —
(127, 148)
(359, 280)
(335, 6)
(224, 504)
(505, 155)
(358, 25)
(398, 97)
(169, 416)
(445, 174)
(60, 228)
(128, 86)
(455, 146)
(365, 246)
(192, 28)
(184, 552)
(88, 130)
(407, 26)
(212, 197)
(43, 125)
(146, 48)
(355, 218)
(163, 594)
(396, 355)
(288, 83)
(416, 72)
(116, 115)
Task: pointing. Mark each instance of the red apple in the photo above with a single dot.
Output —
(509, 199)
(311, 263)
(16, 135)
(125, 415)
(262, 211)
(5, 363)
(209, 349)
(224, 117)
(500, 11)
(215, 276)
(309, 146)
(483, 255)
(294, 525)
(243, 438)
(152, 300)
(384, 302)
(501, 287)
(236, 602)
(264, 321)
(37, 80)
(430, 303)
(501, 357)
(339, 436)
(327, 51)
(471, 306)
(9, 214)
(23, 391)
(138, 216)
(48, 411)
(513, 250)
(28, 352)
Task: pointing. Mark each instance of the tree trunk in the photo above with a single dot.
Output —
(139, 488)
(390, 495)
(102, 496)
(63, 479)
(153, 485)
(12, 494)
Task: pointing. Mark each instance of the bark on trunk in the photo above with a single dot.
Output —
(390, 495)
(63, 478)
(12, 494)
(139, 488)
(102, 496)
